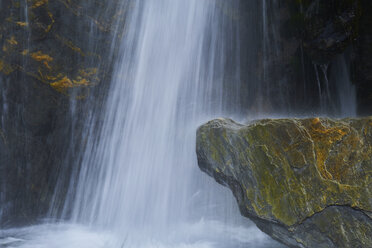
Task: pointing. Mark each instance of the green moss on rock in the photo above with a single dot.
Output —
(292, 169)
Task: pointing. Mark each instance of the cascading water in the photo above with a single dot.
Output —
(346, 92)
(178, 66)
(342, 103)
(139, 171)
(139, 185)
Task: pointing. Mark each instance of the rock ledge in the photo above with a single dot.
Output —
(305, 182)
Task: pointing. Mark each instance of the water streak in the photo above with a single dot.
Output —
(139, 174)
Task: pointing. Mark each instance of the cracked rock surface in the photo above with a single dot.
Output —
(305, 182)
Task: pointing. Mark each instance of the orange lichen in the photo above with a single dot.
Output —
(38, 3)
(5, 68)
(70, 45)
(65, 83)
(53, 78)
(81, 81)
(89, 72)
(22, 24)
(341, 164)
(25, 52)
(324, 137)
(44, 58)
(49, 27)
(12, 41)
(315, 121)
(39, 56)
(62, 85)
(45, 63)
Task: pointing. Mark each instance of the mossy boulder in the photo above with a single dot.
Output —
(305, 182)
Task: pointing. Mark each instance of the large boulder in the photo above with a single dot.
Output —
(305, 182)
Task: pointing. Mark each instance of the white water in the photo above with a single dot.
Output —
(201, 234)
(139, 185)
(138, 170)
(346, 91)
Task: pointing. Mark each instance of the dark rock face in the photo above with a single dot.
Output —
(330, 27)
(59, 43)
(54, 56)
(305, 182)
(303, 44)
(363, 62)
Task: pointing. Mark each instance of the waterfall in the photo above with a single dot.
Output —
(139, 181)
(346, 92)
(179, 64)
(340, 101)
(138, 168)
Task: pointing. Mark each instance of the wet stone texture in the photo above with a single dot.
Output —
(305, 182)
(53, 54)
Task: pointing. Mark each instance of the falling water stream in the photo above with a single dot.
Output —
(139, 184)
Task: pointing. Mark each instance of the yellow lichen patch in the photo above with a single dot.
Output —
(70, 45)
(64, 82)
(89, 72)
(45, 63)
(81, 81)
(68, 6)
(53, 78)
(44, 58)
(25, 52)
(321, 156)
(22, 24)
(38, 3)
(49, 27)
(341, 164)
(12, 41)
(324, 137)
(315, 121)
(5, 68)
(39, 56)
(62, 85)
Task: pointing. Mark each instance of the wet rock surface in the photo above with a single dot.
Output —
(303, 45)
(330, 27)
(305, 182)
(56, 59)
(363, 68)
